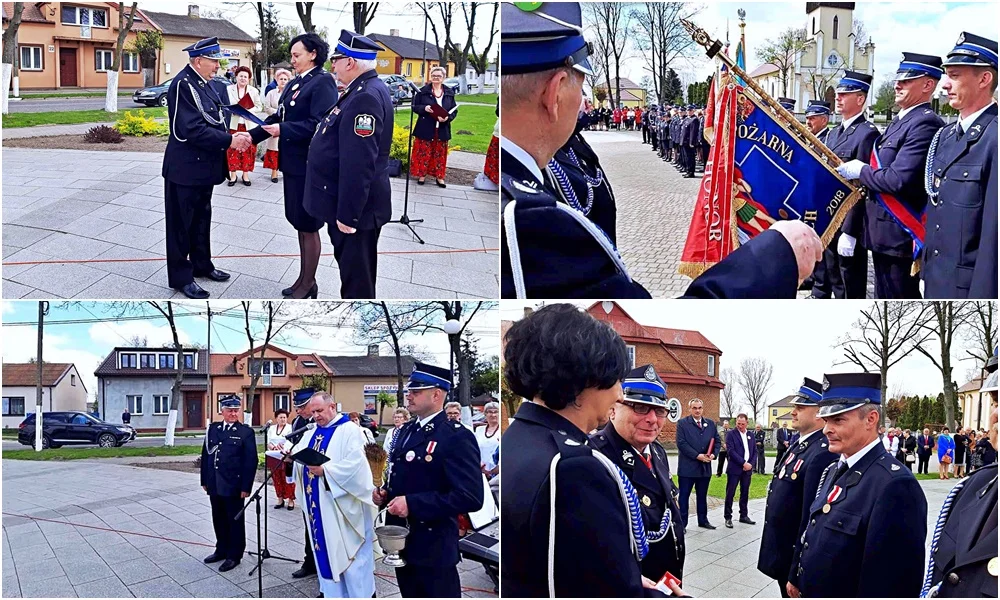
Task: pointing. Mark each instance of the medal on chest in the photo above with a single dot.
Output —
(832, 497)
(795, 469)
(431, 446)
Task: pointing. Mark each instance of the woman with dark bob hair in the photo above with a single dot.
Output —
(305, 100)
(566, 530)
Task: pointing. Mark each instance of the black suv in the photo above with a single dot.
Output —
(369, 423)
(74, 427)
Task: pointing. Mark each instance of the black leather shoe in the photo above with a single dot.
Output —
(216, 275)
(194, 291)
(274, 180)
(282, 505)
(747, 521)
(231, 182)
(288, 291)
(311, 294)
(229, 565)
(213, 558)
(729, 523)
(706, 525)
(303, 571)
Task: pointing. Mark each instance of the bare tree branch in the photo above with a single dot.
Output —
(755, 378)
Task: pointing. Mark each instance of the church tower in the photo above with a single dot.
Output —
(831, 47)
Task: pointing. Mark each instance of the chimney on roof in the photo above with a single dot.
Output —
(372, 349)
(394, 32)
(193, 11)
(527, 311)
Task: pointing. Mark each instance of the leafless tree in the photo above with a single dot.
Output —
(755, 378)
(124, 26)
(305, 12)
(899, 389)
(480, 61)
(271, 322)
(364, 12)
(611, 22)
(884, 334)
(661, 38)
(860, 31)
(943, 320)
(782, 52)
(820, 81)
(729, 403)
(10, 51)
(450, 49)
(980, 332)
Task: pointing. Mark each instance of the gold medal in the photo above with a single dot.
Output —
(646, 501)
(826, 508)
(795, 476)
(992, 566)
(428, 458)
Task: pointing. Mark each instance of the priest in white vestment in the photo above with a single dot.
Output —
(337, 500)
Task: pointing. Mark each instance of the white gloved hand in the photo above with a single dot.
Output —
(846, 244)
(851, 170)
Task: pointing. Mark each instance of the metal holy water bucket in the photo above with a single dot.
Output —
(392, 539)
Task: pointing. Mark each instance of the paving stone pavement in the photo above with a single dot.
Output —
(54, 559)
(654, 211)
(105, 211)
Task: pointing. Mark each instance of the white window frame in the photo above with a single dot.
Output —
(194, 361)
(77, 16)
(40, 56)
(72, 379)
(157, 398)
(122, 355)
(105, 65)
(24, 406)
(154, 364)
(309, 363)
(267, 368)
(163, 354)
(130, 403)
(282, 401)
(631, 355)
(130, 57)
(711, 365)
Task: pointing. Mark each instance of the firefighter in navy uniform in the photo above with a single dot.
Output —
(827, 279)
(302, 418)
(228, 468)
(852, 139)
(867, 525)
(963, 555)
(347, 171)
(902, 155)
(793, 487)
(645, 464)
(551, 249)
(193, 164)
(580, 182)
(434, 476)
(960, 252)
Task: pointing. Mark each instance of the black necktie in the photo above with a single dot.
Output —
(959, 131)
(841, 469)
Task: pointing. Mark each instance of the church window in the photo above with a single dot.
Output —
(836, 27)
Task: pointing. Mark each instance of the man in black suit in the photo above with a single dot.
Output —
(697, 442)
(925, 447)
(742, 458)
(782, 440)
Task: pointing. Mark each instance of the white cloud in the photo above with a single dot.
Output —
(7, 307)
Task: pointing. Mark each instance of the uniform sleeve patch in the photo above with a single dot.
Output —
(364, 125)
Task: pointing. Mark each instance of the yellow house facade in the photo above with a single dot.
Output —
(405, 56)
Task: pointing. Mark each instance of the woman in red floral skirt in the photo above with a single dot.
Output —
(281, 76)
(248, 97)
(436, 108)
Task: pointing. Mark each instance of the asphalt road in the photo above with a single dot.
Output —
(29, 105)
(139, 442)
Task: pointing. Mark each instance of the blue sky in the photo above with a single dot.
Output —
(895, 27)
(86, 344)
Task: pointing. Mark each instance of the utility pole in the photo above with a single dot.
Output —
(208, 367)
(43, 308)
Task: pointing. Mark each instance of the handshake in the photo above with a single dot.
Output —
(241, 141)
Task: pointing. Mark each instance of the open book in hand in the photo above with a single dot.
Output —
(308, 456)
(438, 111)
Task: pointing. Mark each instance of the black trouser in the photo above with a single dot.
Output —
(644, 134)
(188, 220)
(854, 273)
(700, 485)
(892, 278)
(732, 480)
(722, 462)
(924, 461)
(761, 459)
(691, 155)
(828, 281)
(357, 258)
(654, 140)
(308, 562)
(230, 532)
(421, 581)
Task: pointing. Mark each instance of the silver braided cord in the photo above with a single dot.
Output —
(942, 519)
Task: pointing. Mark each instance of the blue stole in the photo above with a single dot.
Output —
(320, 440)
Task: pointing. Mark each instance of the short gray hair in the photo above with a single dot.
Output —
(402, 411)
(492, 406)
(519, 88)
(367, 64)
(439, 68)
(452, 405)
(326, 397)
(867, 407)
(693, 400)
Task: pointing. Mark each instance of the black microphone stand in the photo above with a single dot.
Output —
(262, 553)
(405, 219)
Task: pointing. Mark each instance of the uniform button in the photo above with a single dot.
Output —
(937, 228)
(324, 187)
(805, 546)
(965, 174)
(840, 523)
(953, 578)
(561, 432)
(935, 253)
(813, 522)
(800, 570)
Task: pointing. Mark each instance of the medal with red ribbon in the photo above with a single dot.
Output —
(833, 496)
(795, 469)
(430, 450)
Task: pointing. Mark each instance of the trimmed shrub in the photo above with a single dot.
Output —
(102, 134)
(139, 125)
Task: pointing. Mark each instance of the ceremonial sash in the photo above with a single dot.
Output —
(911, 221)
(320, 441)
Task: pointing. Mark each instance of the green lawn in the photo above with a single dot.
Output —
(717, 488)
(72, 117)
(478, 120)
(91, 452)
(43, 95)
(477, 98)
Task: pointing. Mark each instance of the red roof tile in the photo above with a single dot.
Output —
(26, 374)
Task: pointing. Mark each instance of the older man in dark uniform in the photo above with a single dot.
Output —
(551, 249)
(894, 177)
(827, 279)
(629, 441)
(960, 251)
(347, 171)
(228, 467)
(303, 417)
(698, 442)
(853, 139)
(869, 511)
(193, 163)
(434, 476)
(791, 491)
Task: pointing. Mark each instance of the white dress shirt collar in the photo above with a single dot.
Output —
(907, 111)
(854, 458)
(850, 121)
(803, 438)
(967, 122)
(426, 420)
(522, 157)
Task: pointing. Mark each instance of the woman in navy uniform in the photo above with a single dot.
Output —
(193, 164)
(434, 476)
(552, 250)
(305, 100)
(347, 172)
(898, 177)
(867, 525)
(629, 441)
(960, 251)
(565, 530)
(228, 467)
(791, 491)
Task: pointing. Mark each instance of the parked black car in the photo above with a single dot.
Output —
(61, 428)
(370, 424)
(156, 95)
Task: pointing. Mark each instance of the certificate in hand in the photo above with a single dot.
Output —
(236, 109)
(438, 111)
(308, 456)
